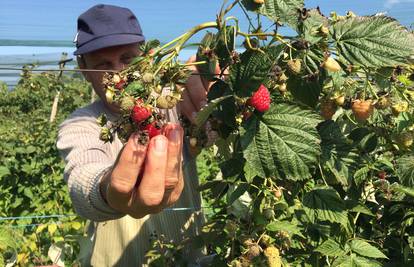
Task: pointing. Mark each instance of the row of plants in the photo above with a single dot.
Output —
(31, 172)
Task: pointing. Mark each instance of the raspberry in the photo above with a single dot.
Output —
(140, 112)
(362, 109)
(260, 100)
(153, 129)
(120, 85)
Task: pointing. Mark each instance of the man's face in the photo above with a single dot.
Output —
(111, 58)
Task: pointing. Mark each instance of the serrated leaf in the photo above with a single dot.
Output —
(234, 195)
(282, 143)
(206, 111)
(354, 206)
(305, 91)
(363, 248)
(281, 11)
(337, 152)
(324, 204)
(355, 261)
(311, 26)
(361, 175)
(330, 248)
(308, 89)
(402, 189)
(405, 170)
(376, 41)
(287, 226)
(247, 75)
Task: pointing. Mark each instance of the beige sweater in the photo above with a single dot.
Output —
(119, 240)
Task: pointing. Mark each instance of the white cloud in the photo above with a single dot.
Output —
(390, 3)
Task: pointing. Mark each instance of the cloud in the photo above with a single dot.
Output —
(390, 3)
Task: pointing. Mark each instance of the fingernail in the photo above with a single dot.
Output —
(160, 144)
(174, 135)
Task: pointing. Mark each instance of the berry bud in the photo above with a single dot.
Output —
(147, 77)
(294, 66)
(330, 64)
(109, 95)
(193, 141)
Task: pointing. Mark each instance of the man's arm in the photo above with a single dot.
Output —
(103, 181)
(87, 160)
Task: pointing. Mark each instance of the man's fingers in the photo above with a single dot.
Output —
(125, 173)
(187, 108)
(174, 133)
(151, 189)
(196, 90)
(207, 84)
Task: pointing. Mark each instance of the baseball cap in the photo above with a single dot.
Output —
(104, 26)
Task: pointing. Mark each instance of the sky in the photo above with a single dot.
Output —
(161, 19)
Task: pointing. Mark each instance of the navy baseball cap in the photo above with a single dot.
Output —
(104, 26)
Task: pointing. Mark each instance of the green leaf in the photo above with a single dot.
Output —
(325, 204)
(337, 152)
(355, 261)
(311, 26)
(288, 226)
(361, 175)
(375, 41)
(205, 112)
(363, 248)
(247, 75)
(402, 189)
(304, 90)
(281, 11)
(135, 88)
(282, 143)
(405, 170)
(4, 171)
(354, 206)
(7, 240)
(237, 193)
(330, 248)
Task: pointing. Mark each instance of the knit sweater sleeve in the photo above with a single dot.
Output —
(87, 159)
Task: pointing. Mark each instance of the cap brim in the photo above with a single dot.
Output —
(108, 41)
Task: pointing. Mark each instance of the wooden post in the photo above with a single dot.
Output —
(62, 62)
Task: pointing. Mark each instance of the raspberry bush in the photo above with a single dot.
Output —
(313, 134)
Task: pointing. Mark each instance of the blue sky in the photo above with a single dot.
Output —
(162, 19)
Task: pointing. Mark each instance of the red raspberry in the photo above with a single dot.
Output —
(140, 112)
(153, 129)
(260, 99)
(120, 85)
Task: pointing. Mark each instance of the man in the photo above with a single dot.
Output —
(102, 176)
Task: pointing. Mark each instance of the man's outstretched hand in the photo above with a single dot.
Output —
(146, 178)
